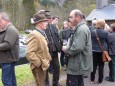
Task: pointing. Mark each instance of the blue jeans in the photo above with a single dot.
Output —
(8, 74)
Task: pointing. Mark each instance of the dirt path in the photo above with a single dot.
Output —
(86, 80)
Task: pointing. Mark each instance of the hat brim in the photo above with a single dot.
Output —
(39, 21)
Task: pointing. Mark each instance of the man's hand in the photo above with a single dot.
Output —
(64, 48)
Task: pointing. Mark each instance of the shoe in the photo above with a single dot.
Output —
(56, 85)
(64, 68)
(85, 76)
(47, 85)
(51, 71)
(92, 82)
(108, 79)
(100, 84)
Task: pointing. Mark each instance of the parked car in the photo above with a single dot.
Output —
(22, 39)
(22, 56)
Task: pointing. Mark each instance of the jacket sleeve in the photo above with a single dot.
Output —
(79, 42)
(32, 47)
(9, 40)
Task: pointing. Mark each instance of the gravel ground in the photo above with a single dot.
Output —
(86, 80)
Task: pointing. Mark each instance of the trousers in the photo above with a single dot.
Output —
(97, 62)
(56, 70)
(39, 76)
(8, 74)
(112, 68)
(74, 80)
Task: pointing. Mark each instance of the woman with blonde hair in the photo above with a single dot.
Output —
(97, 53)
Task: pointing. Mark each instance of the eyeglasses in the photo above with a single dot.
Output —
(70, 17)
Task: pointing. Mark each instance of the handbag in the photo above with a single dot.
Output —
(105, 55)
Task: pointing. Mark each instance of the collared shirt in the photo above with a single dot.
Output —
(43, 33)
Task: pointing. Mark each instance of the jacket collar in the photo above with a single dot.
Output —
(41, 31)
(79, 24)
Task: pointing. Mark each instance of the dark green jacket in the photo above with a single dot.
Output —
(80, 61)
(9, 44)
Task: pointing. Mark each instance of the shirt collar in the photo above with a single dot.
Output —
(41, 31)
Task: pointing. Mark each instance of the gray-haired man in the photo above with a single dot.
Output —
(9, 50)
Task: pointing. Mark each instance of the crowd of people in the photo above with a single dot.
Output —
(77, 43)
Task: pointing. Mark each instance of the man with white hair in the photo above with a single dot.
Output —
(93, 26)
(9, 50)
(37, 51)
(94, 22)
(79, 50)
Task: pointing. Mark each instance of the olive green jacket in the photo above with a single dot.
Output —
(80, 50)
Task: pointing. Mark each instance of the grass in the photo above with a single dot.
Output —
(23, 75)
(22, 32)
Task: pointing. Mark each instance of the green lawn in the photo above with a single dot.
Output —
(22, 32)
(23, 75)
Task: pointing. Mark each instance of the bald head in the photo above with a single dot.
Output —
(77, 12)
(75, 17)
(4, 16)
(4, 20)
(94, 23)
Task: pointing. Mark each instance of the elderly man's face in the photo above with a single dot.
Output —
(2, 23)
(43, 25)
(73, 18)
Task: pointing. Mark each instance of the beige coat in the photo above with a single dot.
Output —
(37, 51)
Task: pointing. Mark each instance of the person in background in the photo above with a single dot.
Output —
(93, 27)
(37, 51)
(111, 44)
(9, 50)
(55, 21)
(97, 53)
(79, 50)
(70, 25)
(64, 36)
(107, 28)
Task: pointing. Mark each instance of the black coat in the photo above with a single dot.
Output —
(54, 42)
(103, 39)
(65, 34)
